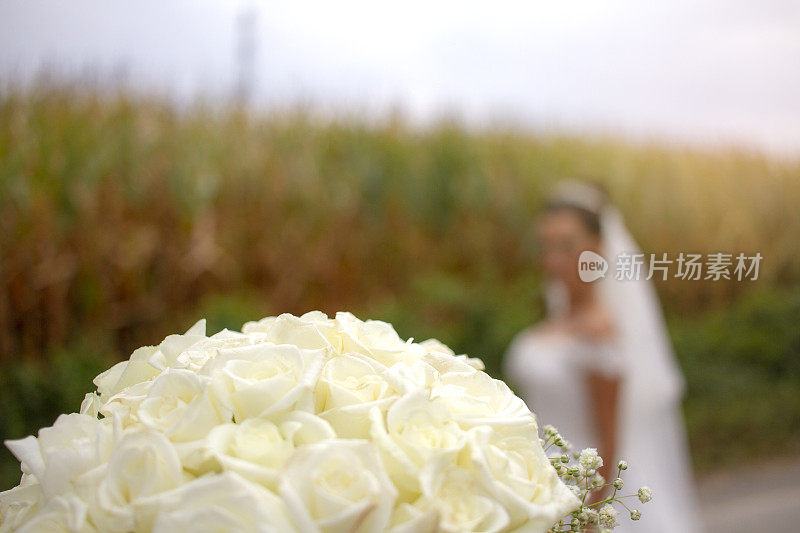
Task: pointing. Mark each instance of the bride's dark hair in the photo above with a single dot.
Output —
(585, 199)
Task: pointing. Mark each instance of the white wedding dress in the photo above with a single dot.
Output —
(547, 369)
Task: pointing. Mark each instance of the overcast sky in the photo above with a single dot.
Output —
(706, 70)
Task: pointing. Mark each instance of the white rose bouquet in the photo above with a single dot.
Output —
(309, 424)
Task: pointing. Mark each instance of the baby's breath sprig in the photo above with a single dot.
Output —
(579, 470)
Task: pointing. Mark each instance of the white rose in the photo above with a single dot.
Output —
(265, 379)
(74, 445)
(20, 504)
(343, 334)
(338, 485)
(462, 499)
(91, 405)
(373, 338)
(415, 432)
(146, 362)
(65, 514)
(224, 502)
(304, 332)
(123, 387)
(180, 404)
(435, 348)
(475, 398)
(348, 388)
(126, 373)
(122, 406)
(166, 355)
(143, 465)
(258, 448)
(513, 462)
(445, 363)
(407, 377)
(198, 354)
(409, 518)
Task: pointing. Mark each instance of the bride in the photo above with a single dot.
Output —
(600, 367)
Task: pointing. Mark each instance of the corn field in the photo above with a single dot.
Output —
(123, 219)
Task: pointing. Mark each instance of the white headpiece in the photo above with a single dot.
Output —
(580, 194)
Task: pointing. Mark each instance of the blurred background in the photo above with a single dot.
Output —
(166, 161)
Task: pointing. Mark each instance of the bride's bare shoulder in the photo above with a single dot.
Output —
(596, 323)
(526, 334)
(532, 333)
(544, 327)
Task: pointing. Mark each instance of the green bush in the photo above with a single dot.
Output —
(742, 365)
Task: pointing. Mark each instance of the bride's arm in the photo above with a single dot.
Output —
(604, 393)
